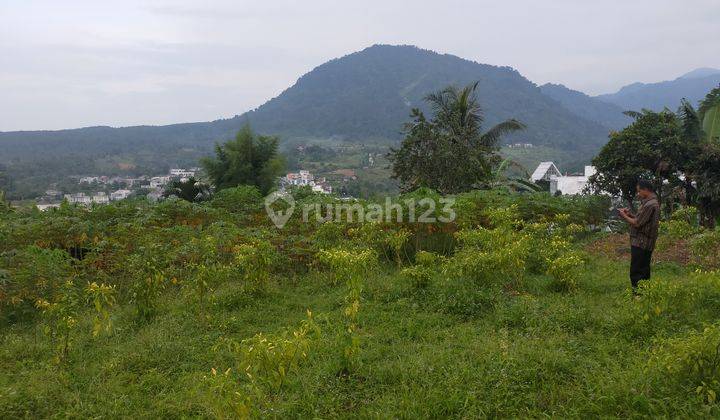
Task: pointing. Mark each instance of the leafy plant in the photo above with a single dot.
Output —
(267, 360)
(350, 266)
(693, 361)
(255, 261)
(426, 267)
(149, 281)
(61, 315)
(102, 298)
(566, 270)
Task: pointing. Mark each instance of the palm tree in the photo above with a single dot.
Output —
(458, 112)
(449, 153)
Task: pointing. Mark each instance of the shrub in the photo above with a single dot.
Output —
(61, 314)
(692, 362)
(490, 256)
(32, 274)
(254, 261)
(102, 298)
(706, 248)
(269, 359)
(566, 270)
(426, 267)
(244, 199)
(350, 266)
(665, 303)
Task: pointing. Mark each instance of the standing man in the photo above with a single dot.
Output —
(643, 232)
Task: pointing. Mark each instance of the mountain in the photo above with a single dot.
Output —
(364, 96)
(656, 96)
(589, 108)
(700, 73)
(371, 93)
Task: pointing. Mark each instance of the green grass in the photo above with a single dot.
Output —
(538, 353)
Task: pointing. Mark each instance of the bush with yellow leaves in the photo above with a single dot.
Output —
(692, 362)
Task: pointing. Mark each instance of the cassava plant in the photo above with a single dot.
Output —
(350, 266)
(254, 261)
(422, 272)
(397, 240)
(102, 298)
(267, 360)
(61, 315)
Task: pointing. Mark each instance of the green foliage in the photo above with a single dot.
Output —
(566, 270)
(148, 283)
(652, 147)
(709, 114)
(102, 298)
(190, 190)
(449, 153)
(243, 199)
(426, 268)
(706, 246)
(444, 330)
(665, 303)
(692, 362)
(351, 266)
(61, 315)
(247, 160)
(32, 274)
(255, 260)
(268, 360)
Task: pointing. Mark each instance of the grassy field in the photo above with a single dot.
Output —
(534, 352)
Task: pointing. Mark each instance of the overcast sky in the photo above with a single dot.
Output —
(74, 63)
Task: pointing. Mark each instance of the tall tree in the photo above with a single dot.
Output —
(449, 153)
(249, 159)
(703, 129)
(652, 147)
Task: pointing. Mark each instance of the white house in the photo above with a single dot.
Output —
(573, 184)
(100, 198)
(545, 171)
(159, 181)
(89, 180)
(45, 207)
(120, 195)
(300, 178)
(182, 173)
(78, 198)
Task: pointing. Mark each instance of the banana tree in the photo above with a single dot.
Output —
(709, 113)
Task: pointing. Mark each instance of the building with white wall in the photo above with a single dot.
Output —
(571, 184)
(545, 171)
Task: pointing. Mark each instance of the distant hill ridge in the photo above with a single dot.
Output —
(367, 94)
(693, 86)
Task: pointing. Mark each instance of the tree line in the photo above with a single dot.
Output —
(678, 151)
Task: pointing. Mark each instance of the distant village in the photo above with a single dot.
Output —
(306, 179)
(119, 188)
(153, 187)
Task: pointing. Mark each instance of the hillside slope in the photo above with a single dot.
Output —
(366, 94)
(370, 94)
(693, 86)
(592, 109)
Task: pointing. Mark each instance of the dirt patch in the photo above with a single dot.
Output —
(617, 247)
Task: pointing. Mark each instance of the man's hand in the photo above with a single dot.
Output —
(625, 214)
